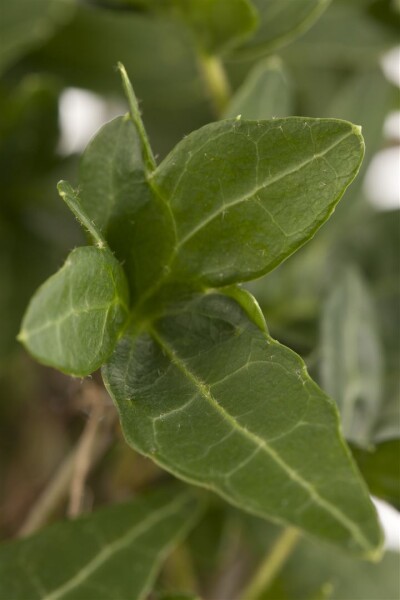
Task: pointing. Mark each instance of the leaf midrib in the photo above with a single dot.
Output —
(204, 391)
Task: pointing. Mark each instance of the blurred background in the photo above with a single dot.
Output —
(58, 85)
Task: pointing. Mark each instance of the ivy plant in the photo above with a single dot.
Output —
(158, 299)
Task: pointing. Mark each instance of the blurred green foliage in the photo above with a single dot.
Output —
(331, 70)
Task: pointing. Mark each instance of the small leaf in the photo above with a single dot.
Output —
(265, 93)
(74, 319)
(280, 22)
(351, 356)
(245, 195)
(113, 553)
(213, 399)
(115, 194)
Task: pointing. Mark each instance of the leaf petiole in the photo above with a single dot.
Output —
(134, 111)
(272, 564)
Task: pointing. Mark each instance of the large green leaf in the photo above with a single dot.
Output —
(244, 195)
(265, 93)
(211, 397)
(74, 319)
(280, 22)
(113, 553)
(27, 23)
(351, 356)
(115, 193)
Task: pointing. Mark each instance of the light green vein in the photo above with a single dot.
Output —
(252, 193)
(204, 390)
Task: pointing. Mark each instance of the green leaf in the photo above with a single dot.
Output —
(265, 93)
(351, 356)
(212, 398)
(245, 195)
(74, 319)
(113, 553)
(25, 24)
(115, 193)
(380, 468)
(218, 25)
(375, 244)
(280, 22)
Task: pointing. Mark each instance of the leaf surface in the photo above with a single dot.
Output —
(113, 553)
(212, 398)
(245, 195)
(74, 319)
(280, 22)
(115, 193)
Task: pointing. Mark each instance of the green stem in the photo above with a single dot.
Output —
(137, 119)
(71, 199)
(216, 82)
(179, 571)
(272, 564)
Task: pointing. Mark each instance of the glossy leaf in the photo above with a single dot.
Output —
(381, 469)
(25, 24)
(351, 356)
(74, 319)
(280, 22)
(245, 195)
(112, 553)
(265, 93)
(115, 193)
(213, 399)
